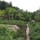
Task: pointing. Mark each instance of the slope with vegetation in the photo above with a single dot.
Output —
(10, 15)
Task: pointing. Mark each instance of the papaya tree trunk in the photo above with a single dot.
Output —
(27, 32)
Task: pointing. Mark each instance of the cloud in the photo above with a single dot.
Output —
(30, 5)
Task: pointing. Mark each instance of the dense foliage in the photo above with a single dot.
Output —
(14, 16)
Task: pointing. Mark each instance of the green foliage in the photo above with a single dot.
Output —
(37, 17)
(2, 12)
(4, 34)
(35, 31)
(14, 16)
(7, 34)
(4, 5)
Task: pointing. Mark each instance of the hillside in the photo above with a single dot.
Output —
(13, 22)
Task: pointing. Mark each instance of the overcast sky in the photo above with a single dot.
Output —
(30, 5)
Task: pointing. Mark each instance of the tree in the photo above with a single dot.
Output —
(4, 5)
(10, 13)
(37, 17)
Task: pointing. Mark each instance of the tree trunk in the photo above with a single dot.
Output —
(27, 32)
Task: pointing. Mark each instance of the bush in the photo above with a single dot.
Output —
(35, 31)
(6, 34)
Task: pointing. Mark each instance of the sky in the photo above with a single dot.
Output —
(29, 5)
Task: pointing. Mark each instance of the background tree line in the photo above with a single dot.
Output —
(7, 11)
